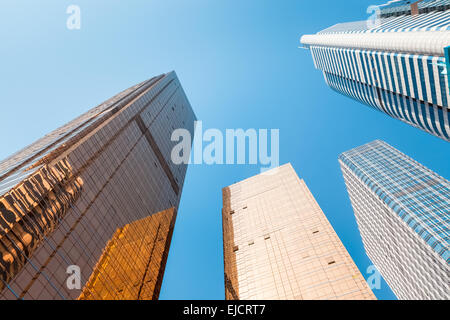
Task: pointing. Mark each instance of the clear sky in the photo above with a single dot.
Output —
(241, 67)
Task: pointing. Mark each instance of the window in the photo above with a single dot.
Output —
(235, 248)
(251, 243)
(266, 237)
(232, 212)
(245, 207)
(315, 231)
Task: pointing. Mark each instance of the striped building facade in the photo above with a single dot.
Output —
(402, 209)
(396, 63)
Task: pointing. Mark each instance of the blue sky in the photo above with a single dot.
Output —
(241, 67)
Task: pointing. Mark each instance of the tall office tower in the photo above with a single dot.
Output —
(403, 211)
(394, 63)
(278, 244)
(88, 211)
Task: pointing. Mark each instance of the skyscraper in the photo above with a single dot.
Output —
(278, 244)
(395, 64)
(66, 199)
(133, 262)
(403, 214)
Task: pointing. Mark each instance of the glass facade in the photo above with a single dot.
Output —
(447, 63)
(133, 262)
(404, 7)
(63, 198)
(395, 65)
(402, 209)
(278, 244)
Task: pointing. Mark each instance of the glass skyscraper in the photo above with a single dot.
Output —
(403, 214)
(395, 63)
(88, 210)
(278, 244)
